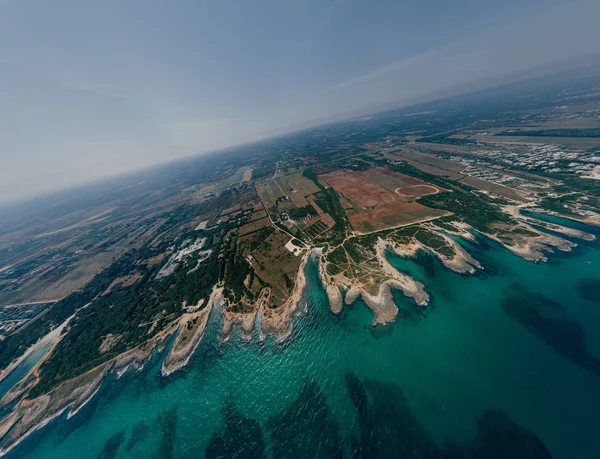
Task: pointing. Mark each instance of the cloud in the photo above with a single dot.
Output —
(556, 34)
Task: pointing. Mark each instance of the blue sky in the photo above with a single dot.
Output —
(89, 89)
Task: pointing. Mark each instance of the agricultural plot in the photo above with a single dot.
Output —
(246, 173)
(317, 228)
(254, 226)
(431, 164)
(353, 187)
(276, 265)
(416, 191)
(393, 215)
(382, 198)
(500, 190)
(270, 193)
(297, 187)
(389, 180)
(229, 180)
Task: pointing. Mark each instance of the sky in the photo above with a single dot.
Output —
(90, 89)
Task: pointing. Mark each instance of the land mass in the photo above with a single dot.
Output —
(228, 238)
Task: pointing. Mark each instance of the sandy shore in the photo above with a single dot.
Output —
(191, 331)
(382, 304)
(462, 262)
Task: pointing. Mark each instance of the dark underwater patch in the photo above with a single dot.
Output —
(547, 320)
(306, 428)
(209, 352)
(138, 433)
(589, 289)
(388, 428)
(167, 421)
(499, 438)
(239, 438)
(426, 261)
(112, 445)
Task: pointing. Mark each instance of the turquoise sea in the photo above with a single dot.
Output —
(502, 364)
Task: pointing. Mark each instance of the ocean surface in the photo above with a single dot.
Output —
(501, 364)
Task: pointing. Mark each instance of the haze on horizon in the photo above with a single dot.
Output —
(92, 89)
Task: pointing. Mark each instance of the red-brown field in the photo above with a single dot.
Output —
(382, 198)
(354, 188)
(376, 186)
(391, 215)
(416, 191)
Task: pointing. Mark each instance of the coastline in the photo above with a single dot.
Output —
(30, 415)
(52, 338)
(278, 322)
(245, 320)
(191, 328)
(30, 378)
(380, 301)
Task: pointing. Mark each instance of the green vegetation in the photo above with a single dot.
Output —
(237, 270)
(134, 313)
(473, 209)
(129, 312)
(435, 242)
(338, 257)
(14, 345)
(562, 205)
(523, 232)
(329, 201)
(477, 210)
(444, 223)
(409, 169)
(263, 171)
(314, 230)
(310, 174)
(297, 213)
(261, 237)
(357, 251)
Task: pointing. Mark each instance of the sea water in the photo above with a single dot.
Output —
(498, 358)
(22, 369)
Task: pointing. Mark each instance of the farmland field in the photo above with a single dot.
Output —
(269, 192)
(276, 266)
(500, 190)
(380, 198)
(392, 215)
(254, 226)
(415, 191)
(431, 164)
(297, 187)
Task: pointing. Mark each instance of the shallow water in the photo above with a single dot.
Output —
(22, 369)
(496, 360)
